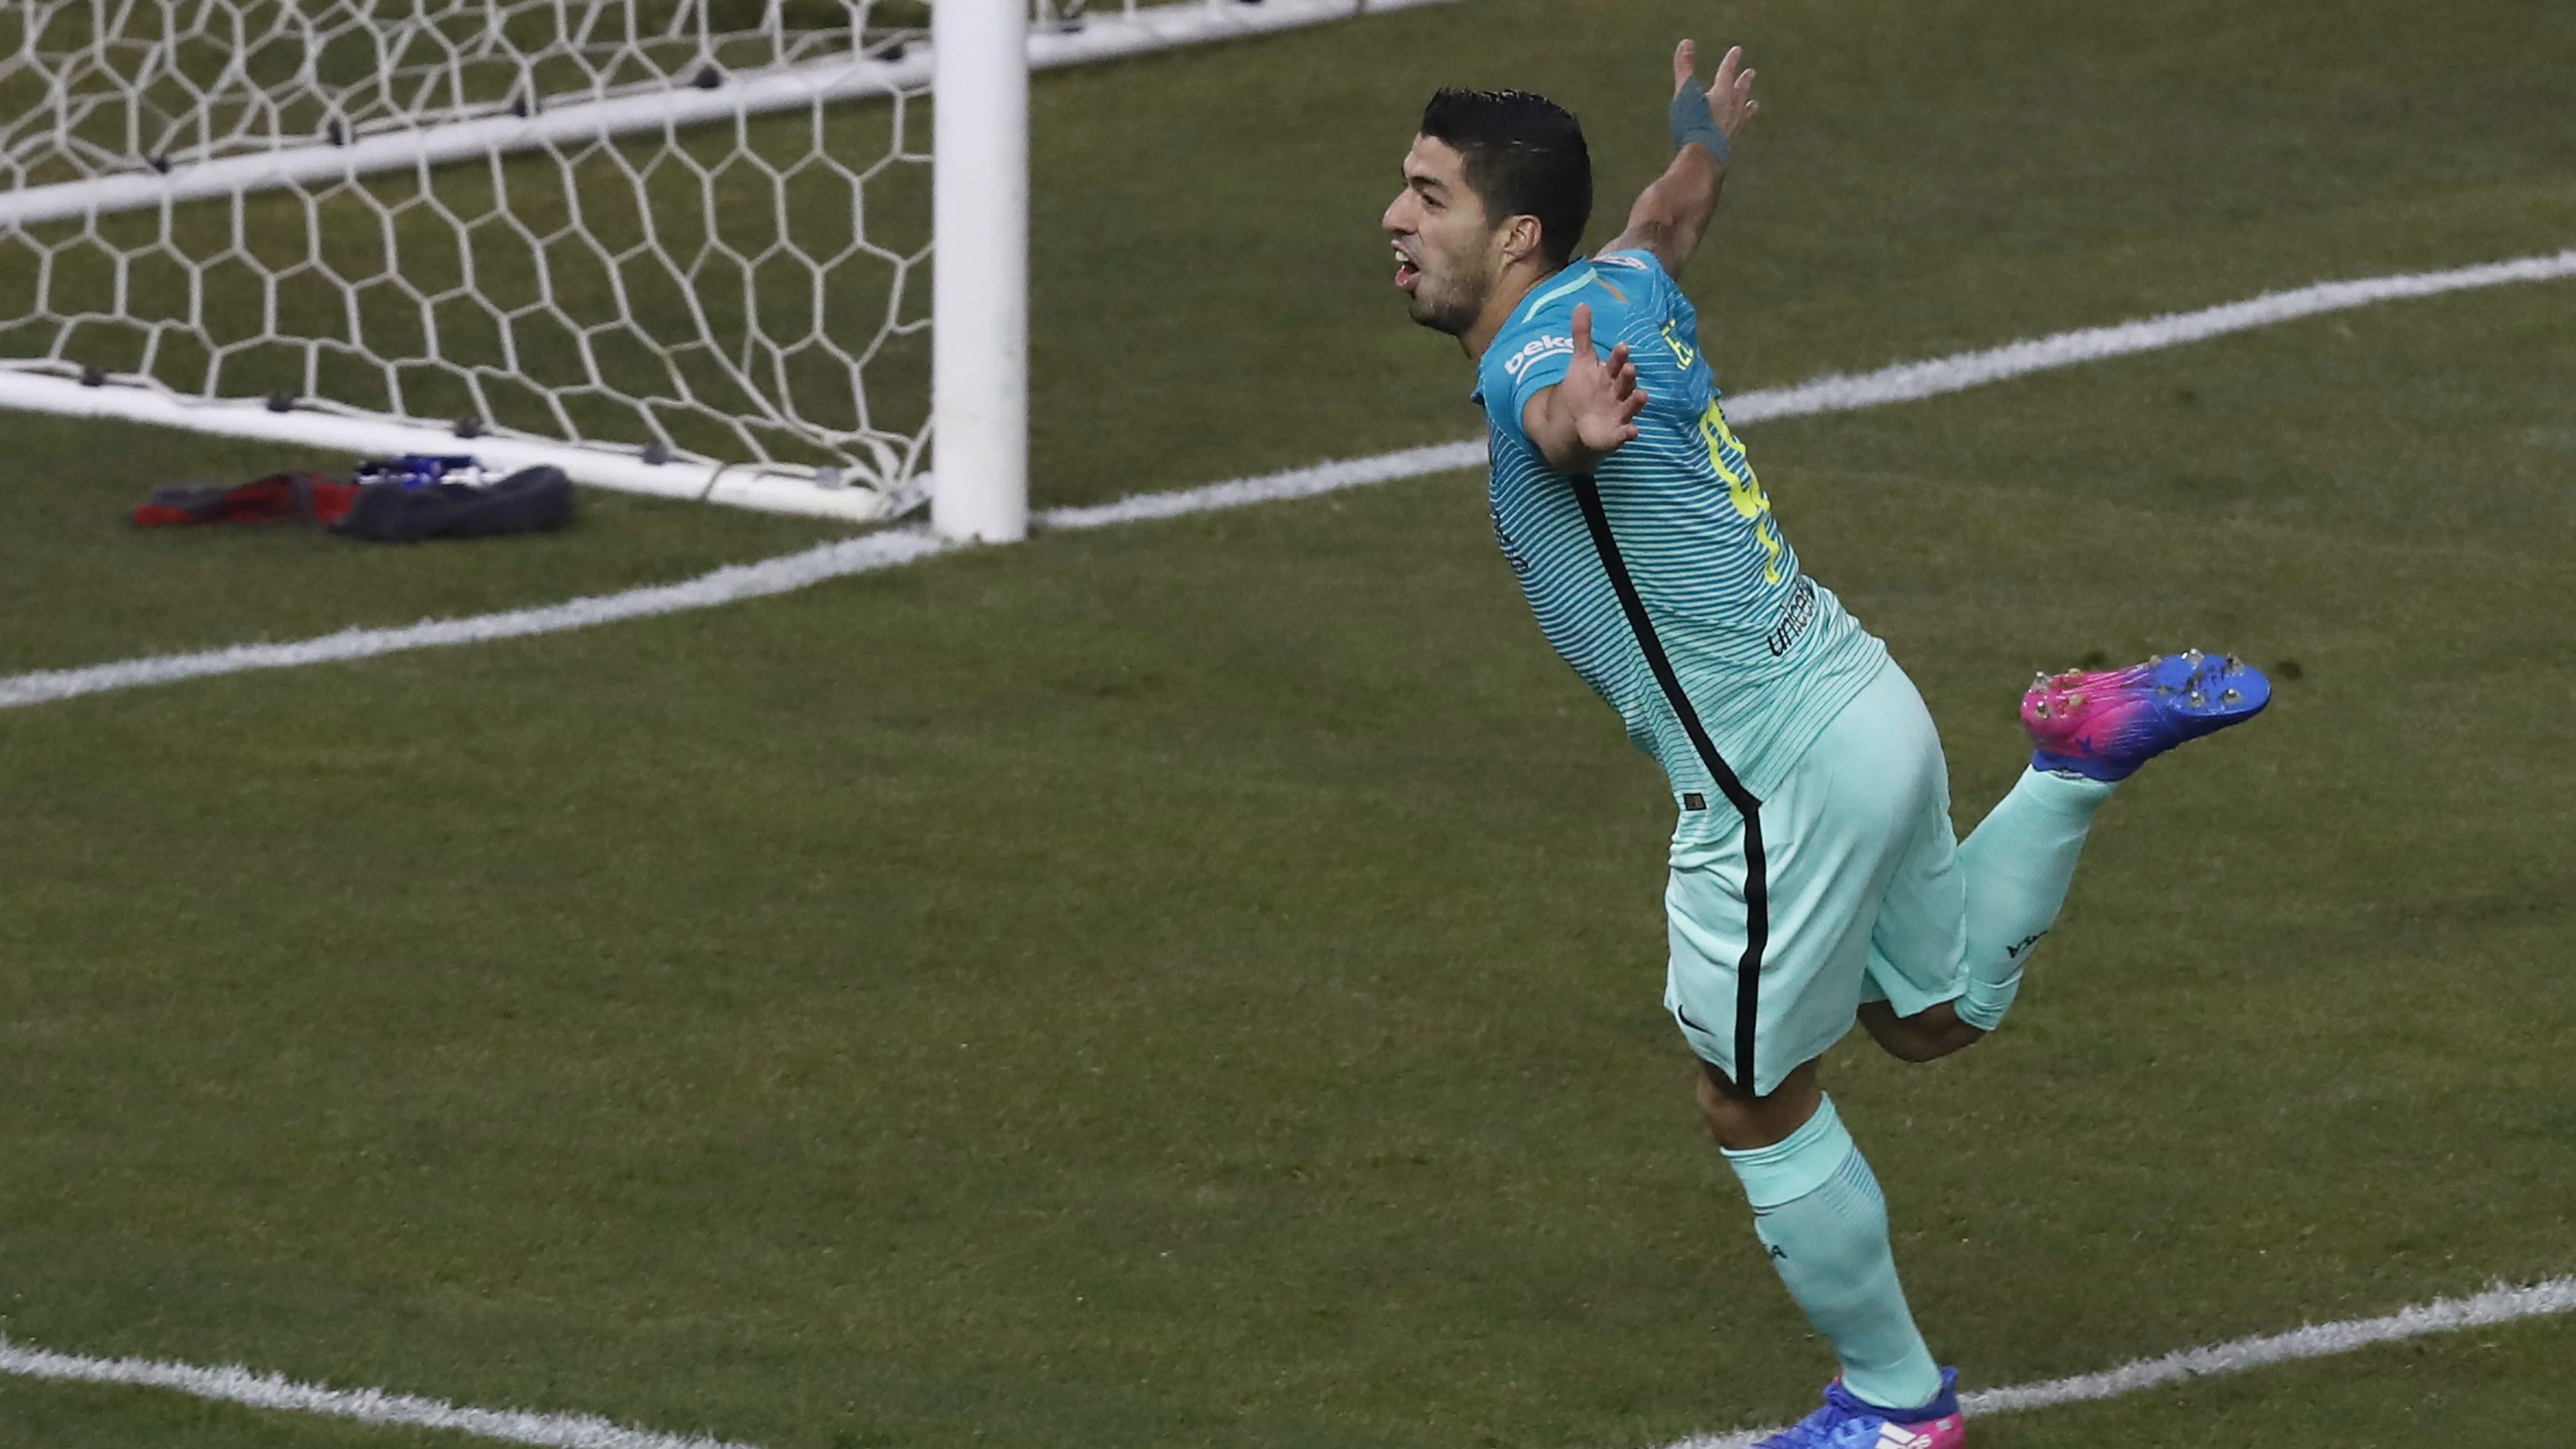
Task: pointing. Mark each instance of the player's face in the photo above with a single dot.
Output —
(1447, 254)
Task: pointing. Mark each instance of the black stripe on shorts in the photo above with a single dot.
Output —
(1757, 895)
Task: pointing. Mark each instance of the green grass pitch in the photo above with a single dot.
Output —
(1195, 984)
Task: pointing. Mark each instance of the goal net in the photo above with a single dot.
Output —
(681, 246)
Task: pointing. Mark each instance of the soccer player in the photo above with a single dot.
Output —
(1815, 879)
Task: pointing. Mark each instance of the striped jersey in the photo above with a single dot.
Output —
(1765, 655)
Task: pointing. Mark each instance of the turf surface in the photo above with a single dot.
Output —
(1196, 983)
(84, 585)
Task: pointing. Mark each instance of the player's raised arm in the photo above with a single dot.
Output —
(1582, 419)
(1671, 215)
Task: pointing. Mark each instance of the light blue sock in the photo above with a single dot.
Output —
(2018, 863)
(1819, 1211)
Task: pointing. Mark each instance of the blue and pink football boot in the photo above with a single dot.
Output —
(2105, 723)
(1847, 1422)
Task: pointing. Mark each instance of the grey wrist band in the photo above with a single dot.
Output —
(1692, 122)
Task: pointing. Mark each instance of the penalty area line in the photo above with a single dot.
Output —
(2500, 1304)
(236, 1385)
(1905, 382)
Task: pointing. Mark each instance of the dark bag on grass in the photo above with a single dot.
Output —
(528, 501)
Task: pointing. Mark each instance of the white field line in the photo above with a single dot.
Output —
(724, 586)
(373, 1406)
(1910, 381)
(1905, 382)
(588, 1431)
(2499, 1304)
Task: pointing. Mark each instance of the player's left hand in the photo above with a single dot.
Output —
(1599, 395)
(1730, 91)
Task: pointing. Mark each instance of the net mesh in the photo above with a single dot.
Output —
(750, 289)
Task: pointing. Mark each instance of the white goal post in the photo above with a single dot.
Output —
(671, 246)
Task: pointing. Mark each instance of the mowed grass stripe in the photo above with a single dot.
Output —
(236, 1385)
(1904, 382)
(1196, 985)
(1290, 780)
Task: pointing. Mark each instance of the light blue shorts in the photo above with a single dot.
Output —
(1860, 896)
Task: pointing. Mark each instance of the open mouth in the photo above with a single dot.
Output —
(1406, 273)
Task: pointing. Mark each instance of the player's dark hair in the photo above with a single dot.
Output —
(1525, 157)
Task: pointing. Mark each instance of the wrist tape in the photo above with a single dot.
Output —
(1692, 122)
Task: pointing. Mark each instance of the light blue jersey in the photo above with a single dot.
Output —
(1765, 656)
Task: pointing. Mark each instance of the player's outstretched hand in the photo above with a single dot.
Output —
(1730, 93)
(1600, 395)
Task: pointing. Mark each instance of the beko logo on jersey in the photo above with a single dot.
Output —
(1534, 349)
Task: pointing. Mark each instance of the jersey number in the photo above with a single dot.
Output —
(1726, 455)
(1683, 352)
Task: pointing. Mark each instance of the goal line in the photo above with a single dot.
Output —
(890, 548)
